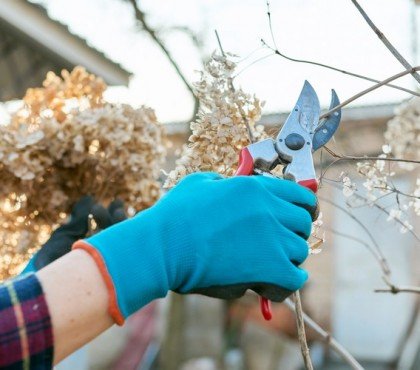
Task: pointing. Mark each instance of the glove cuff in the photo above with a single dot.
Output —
(113, 308)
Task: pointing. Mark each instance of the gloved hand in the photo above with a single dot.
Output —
(64, 236)
(211, 235)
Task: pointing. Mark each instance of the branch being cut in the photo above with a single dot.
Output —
(327, 338)
(141, 18)
(301, 332)
(386, 42)
(277, 52)
(370, 89)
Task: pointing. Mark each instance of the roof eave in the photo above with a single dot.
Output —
(32, 21)
(360, 114)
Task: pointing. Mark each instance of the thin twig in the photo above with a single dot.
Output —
(327, 338)
(351, 237)
(383, 263)
(141, 18)
(403, 289)
(393, 189)
(277, 52)
(250, 54)
(195, 39)
(392, 288)
(376, 205)
(370, 89)
(251, 64)
(365, 158)
(301, 332)
(219, 42)
(270, 25)
(386, 42)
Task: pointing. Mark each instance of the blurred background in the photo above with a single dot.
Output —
(152, 57)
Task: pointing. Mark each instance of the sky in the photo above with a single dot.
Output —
(331, 32)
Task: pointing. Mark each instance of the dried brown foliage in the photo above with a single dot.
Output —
(65, 142)
(221, 128)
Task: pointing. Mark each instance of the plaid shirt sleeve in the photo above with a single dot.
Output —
(26, 341)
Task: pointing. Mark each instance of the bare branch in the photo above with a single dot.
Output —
(386, 42)
(195, 39)
(393, 189)
(219, 42)
(277, 52)
(370, 89)
(395, 289)
(383, 263)
(341, 157)
(327, 338)
(141, 18)
(376, 205)
(301, 332)
(270, 25)
(403, 289)
(351, 237)
(252, 63)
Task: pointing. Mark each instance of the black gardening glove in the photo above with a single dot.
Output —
(62, 238)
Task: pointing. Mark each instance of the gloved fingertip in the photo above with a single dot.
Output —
(309, 197)
(118, 215)
(312, 208)
(290, 191)
(101, 216)
(83, 206)
(114, 205)
(315, 211)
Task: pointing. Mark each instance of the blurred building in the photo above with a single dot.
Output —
(31, 44)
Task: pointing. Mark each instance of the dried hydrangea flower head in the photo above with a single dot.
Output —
(402, 140)
(220, 130)
(52, 97)
(403, 132)
(65, 142)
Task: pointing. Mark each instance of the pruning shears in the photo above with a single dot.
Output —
(301, 135)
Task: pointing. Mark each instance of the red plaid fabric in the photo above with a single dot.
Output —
(26, 341)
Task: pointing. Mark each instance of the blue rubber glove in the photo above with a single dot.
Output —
(211, 235)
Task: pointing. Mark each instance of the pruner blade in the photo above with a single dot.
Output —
(328, 127)
(308, 108)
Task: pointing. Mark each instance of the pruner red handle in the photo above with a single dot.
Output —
(246, 168)
(310, 184)
(246, 163)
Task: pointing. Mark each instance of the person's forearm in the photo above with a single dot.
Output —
(77, 299)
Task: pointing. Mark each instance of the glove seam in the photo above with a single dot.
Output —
(113, 307)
